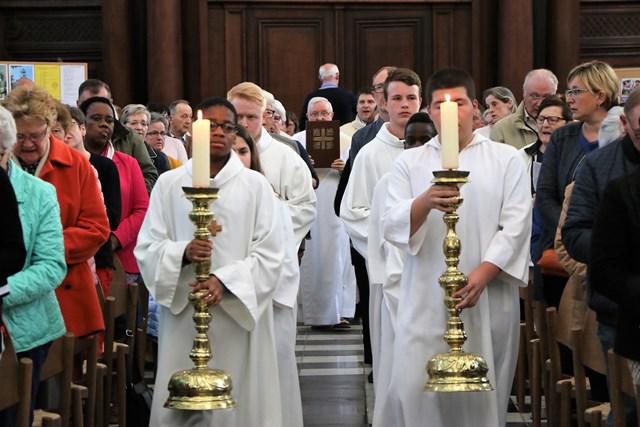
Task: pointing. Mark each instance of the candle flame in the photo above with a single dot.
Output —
(199, 114)
(447, 97)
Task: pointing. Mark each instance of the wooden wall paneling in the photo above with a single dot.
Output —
(288, 47)
(383, 35)
(116, 50)
(165, 55)
(462, 45)
(69, 32)
(483, 42)
(443, 37)
(235, 48)
(515, 43)
(564, 35)
(196, 50)
(610, 31)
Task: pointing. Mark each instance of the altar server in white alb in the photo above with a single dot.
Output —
(246, 262)
(291, 180)
(402, 99)
(328, 285)
(386, 263)
(283, 167)
(284, 318)
(494, 230)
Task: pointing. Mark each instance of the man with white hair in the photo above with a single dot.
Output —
(519, 129)
(342, 101)
(328, 282)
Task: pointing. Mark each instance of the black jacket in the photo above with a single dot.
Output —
(615, 258)
(598, 168)
(12, 250)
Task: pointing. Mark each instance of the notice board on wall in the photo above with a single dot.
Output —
(60, 79)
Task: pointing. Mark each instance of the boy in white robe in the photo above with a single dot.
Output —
(402, 99)
(386, 263)
(494, 230)
(245, 267)
(291, 180)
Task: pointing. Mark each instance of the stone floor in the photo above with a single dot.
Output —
(333, 380)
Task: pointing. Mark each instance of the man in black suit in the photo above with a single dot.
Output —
(342, 101)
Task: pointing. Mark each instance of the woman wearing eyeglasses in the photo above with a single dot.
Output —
(593, 90)
(136, 117)
(100, 122)
(84, 220)
(157, 135)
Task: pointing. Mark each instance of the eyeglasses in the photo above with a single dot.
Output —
(574, 92)
(226, 127)
(277, 117)
(378, 88)
(157, 132)
(97, 118)
(551, 119)
(321, 114)
(269, 113)
(33, 137)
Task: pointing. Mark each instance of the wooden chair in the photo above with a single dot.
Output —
(521, 370)
(561, 386)
(16, 384)
(620, 383)
(539, 316)
(535, 384)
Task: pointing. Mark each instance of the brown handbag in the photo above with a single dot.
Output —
(550, 265)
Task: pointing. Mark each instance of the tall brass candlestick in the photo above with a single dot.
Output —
(201, 388)
(455, 370)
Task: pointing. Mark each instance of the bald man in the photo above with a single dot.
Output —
(342, 101)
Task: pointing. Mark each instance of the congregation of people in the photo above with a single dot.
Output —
(92, 199)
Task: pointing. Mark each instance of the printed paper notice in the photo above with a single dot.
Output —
(48, 77)
(71, 77)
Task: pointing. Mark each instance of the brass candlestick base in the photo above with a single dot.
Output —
(455, 370)
(201, 388)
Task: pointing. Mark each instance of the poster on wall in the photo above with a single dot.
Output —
(20, 71)
(71, 77)
(627, 86)
(48, 77)
(4, 82)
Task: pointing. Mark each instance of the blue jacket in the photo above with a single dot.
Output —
(31, 311)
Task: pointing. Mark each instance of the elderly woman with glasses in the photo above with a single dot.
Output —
(84, 220)
(136, 117)
(33, 264)
(157, 136)
(499, 103)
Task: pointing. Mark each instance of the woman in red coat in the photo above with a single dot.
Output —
(84, 219)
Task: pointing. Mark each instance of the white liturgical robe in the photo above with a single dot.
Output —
(246, 258)
(494, 226)
(291, 180)
(373, 160)
(385, 269)
(328, 282)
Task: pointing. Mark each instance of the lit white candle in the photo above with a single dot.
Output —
(449, 133)
(200, 150)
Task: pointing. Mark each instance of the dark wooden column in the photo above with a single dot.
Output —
(116, 49)
(563, 43)
(484, 55)
(164, 50)
(196, 50)
(515, 43)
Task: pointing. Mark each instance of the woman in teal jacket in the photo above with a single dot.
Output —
(31, 313)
